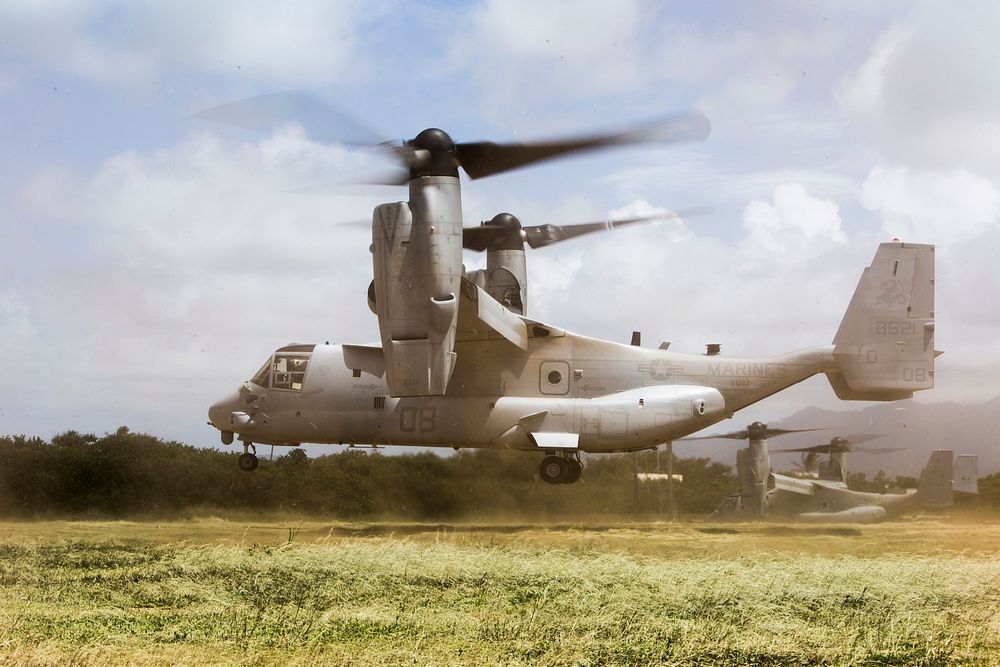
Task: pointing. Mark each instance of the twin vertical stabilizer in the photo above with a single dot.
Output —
(884, 348)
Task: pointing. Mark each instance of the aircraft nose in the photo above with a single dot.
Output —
(220, 411)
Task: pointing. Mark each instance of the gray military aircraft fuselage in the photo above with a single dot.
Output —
(567, 392)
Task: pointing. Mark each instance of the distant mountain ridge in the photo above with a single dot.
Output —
(918, 427)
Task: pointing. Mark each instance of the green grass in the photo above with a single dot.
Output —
(224, 592)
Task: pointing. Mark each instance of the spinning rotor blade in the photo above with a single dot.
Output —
(828, 449)
(842, 444)
(505, 231)
(487, 237)
(433, 152)
(266, 113)
(756, 430)
(542, 235)
(485, 158)
(878, 450)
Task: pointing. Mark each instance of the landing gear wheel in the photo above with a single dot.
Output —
(553, 469)
(573, 471)
(248, 462)
(248, 459)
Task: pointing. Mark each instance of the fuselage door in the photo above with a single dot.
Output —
(553, 378)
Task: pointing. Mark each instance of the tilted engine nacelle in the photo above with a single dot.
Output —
(417, 261)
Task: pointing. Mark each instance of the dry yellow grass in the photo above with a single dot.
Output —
(214, 591)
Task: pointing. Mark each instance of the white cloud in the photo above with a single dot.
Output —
(523, 51)
(284, 44)
(203, 261)
(62, 35)
(203, 204)
(929, 91)
(37, 191)
(863, 91)
(931, 206)
(300, 43)
(581, 31)
(15, 326)
(677, 285)
(793, 226)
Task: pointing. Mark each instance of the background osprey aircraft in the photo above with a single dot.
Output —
(825, 497)
(461, 365)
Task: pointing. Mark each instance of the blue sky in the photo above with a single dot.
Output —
(149, 261)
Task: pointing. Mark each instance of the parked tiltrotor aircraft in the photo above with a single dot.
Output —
(824, 496)
(461, 365)
(827, 498)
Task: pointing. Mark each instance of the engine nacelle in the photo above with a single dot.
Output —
(507, 279)
(417, 262)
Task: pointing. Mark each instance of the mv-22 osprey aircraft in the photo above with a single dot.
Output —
(825, 496)
(460, 363)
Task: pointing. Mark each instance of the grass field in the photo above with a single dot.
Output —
(287, 592)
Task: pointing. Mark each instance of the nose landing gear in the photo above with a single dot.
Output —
(563, 469)
(248, 461)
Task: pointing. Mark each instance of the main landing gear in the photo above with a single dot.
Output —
(248, 460)
(563, 469)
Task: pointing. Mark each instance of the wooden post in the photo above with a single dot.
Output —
(635, 484)
(659, 487)
(670, 480)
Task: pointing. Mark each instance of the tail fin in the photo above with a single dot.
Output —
(936, 486)
(885, 345)
(966, 474)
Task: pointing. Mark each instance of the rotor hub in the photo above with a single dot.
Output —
(508, 235)
(433, 139)
(434, 154)
(504, 220)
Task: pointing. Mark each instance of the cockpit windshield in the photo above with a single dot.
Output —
(286, 369)
(263, 376)
(289, 371)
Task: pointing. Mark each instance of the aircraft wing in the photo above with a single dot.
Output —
(481, 317)
(829, 484)
(805, 487)
(367, 358)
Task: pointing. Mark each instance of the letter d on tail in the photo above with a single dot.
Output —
(885, 345)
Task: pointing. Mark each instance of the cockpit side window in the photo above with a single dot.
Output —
(289, 370)
(263, 376)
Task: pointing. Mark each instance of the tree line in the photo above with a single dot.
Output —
(125, 474)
